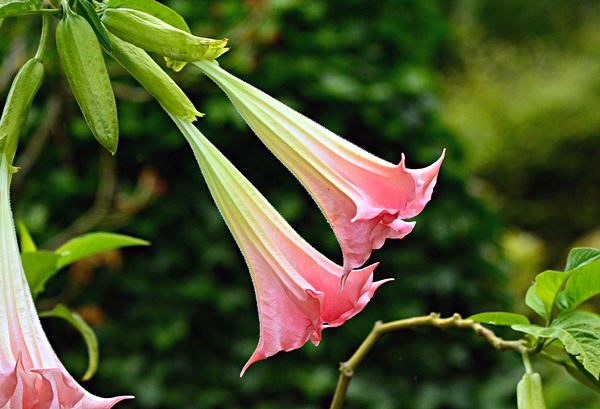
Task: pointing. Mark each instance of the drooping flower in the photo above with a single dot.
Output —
(365, 199)
(31, 375)
(298, 290)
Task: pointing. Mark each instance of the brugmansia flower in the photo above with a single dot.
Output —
(364, 198)
(31, 376)
(297, 288)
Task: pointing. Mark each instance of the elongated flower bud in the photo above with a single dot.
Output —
(16, 110)
(83, 63)
(529, 392)
(153, 34)
(157, 82)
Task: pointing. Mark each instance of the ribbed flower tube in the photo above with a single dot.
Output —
(364, 198)
(298, 290)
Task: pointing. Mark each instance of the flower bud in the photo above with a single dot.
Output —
(529, 392)
(16, 110)
(149, 74)
(83, 63)
(154, 35)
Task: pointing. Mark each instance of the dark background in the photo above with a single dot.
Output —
(511, 91)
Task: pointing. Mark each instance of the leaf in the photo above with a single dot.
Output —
(19, 8)
(39, 267)
(94, 243)
(547, 286)
(561, 302)
(85, 330)
(583, 284)
(27, 243)
(499, 318)
(534, 302)
(159, 11)
(580, 256)
(579, 333)
(578, 372)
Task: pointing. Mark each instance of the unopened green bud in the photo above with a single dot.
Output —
(83, 63)
(17, 106)
(153, 34)
(530, 393)
(157, 82)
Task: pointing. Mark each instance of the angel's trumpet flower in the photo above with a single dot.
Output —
(364, 198)
(31, 375)
(298, 290)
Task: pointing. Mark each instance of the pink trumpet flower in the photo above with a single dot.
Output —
(364, 198)
(31, 375)
(298, 290)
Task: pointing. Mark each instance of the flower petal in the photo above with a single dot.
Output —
(31, 375)
(298, 290)
(363, 197)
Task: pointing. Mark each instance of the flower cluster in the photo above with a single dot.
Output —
(364, 198)
(299, 291)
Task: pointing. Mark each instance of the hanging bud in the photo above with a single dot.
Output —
(86, 10)
(148, 73)
(83, 63)
(154, 35)
(529, 392)
(16, 110)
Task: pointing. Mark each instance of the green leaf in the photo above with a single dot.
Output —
(580, 256)
(94, 243)
(499, 318)
(534, 302)
(39, 267)
(583, 284)
(19, 8)
(27, 243)
(547, 286)
(579, 333)
(161, 12)
(85, 330)
(578, 372)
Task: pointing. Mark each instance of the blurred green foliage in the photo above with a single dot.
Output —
(525, 101)
(177, 321)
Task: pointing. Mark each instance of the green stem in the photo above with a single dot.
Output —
(432, 320)
(527, 363)
(39, 55)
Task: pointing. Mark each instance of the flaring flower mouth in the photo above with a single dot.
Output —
(31, 375)
(298, 290)
(365, 199)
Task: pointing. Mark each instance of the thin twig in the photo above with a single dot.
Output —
(432, 320)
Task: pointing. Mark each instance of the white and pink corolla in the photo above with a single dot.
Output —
(365, 199)
(31, 375)
(298, 290)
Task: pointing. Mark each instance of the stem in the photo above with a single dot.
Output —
(39, 55)
(432, 320)
(527, 362)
